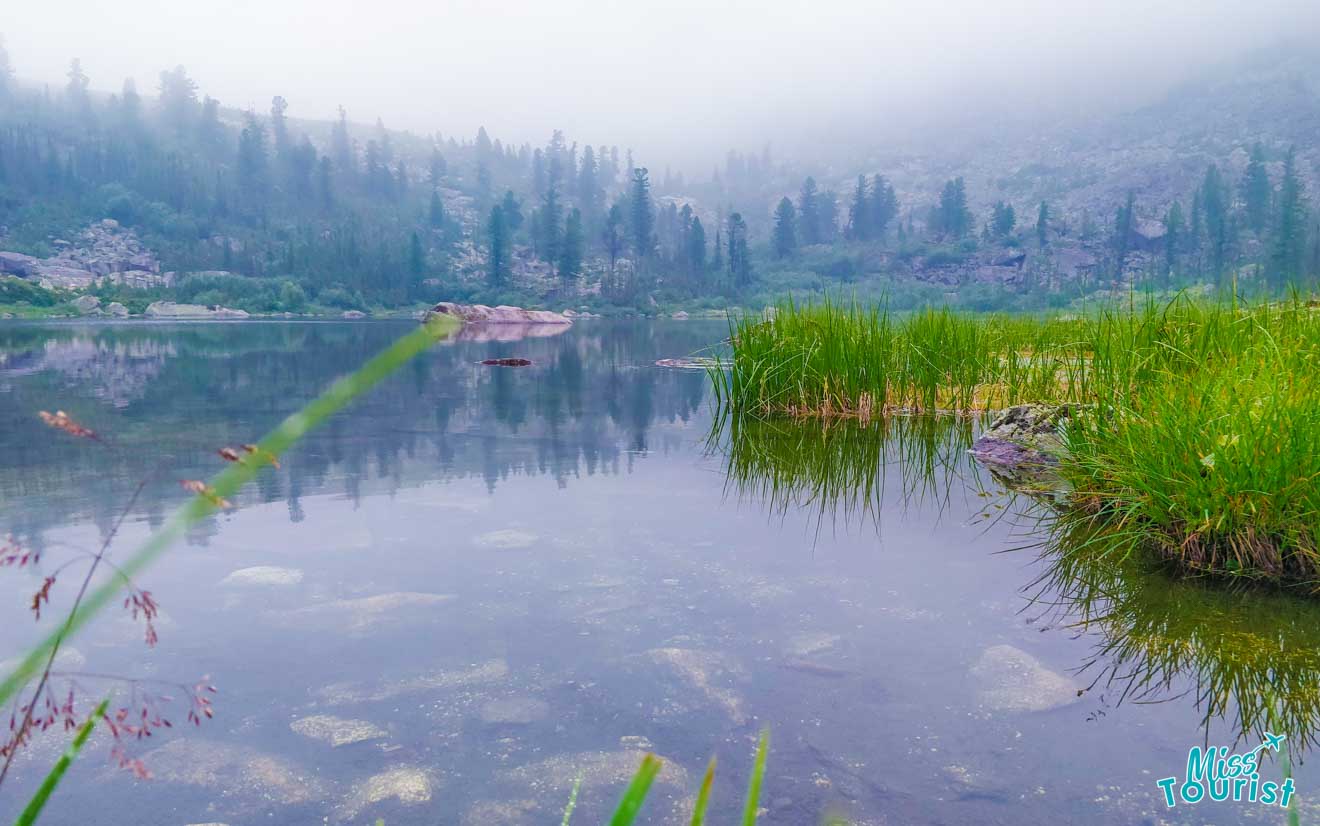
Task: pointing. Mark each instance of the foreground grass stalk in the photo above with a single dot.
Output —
(636, 792)
(38, 802)
(224, 485)
(754, 784)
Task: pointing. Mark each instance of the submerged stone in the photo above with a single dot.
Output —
(704, 671)
(233, 771)
(365, 612)
(1010, 679)
(507, 539)
(336, 731)
(264, 575)
(514, 711)
(408, 785)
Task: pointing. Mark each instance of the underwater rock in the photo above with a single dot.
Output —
(1010, 679)
(493, 671)
(409, 785)
(507, 362)
(233, 771)
(704, 670)
(507, 539)
(695, 363)
(364, 612)
(336, 731)
(519, 711)
(264, 575)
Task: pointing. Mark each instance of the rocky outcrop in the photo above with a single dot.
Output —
(104, 253)
(168, 309)
(503, 314)
(1023, 444)
(87, 305)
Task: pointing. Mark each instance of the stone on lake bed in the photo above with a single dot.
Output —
(1010, 679)
(336, 731)
(364, 612)
(507, 539)
(264, 575)
(255, 777)
(514, 711)
(409, 785)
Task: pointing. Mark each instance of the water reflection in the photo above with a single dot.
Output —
(1246, 659)
(167, 396)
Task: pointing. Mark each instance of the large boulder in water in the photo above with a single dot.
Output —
(503, 314)
(1023, 444)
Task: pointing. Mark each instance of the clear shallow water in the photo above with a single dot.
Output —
(496, 580)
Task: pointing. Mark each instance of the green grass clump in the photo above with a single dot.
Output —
(1197, 431)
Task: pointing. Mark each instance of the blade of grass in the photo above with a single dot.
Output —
(572, 802)
(635, 795)
(47, 787)
(703, 796)
(226, 483)
(754, 785)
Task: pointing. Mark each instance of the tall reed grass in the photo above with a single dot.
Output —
(1197, 427)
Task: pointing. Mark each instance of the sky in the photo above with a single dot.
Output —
(675, 79)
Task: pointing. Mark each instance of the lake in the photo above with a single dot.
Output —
(478, 584)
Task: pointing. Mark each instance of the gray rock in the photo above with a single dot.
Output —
(86, 304)
(1009, 679)
(169, 309)
(117, 310)
(16, 263)
(336, 731)
(1023, 444)
(518, 711)
(503, 314)
(352, 314)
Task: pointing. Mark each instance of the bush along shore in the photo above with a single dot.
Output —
(1189, 429)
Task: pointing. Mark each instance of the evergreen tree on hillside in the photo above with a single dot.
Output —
(809, 222)
(130, 104)
(1256, 190)
(1290, 227)
(438, 169)
(513, 216)
(341, 147)
(497, 248)
(785, 233)
(589, 193)
(1002, 221)
(696, 248)
(570, 258)
(436, 214)
(1123, 225)
(76, 89)
(859, 212)
(252, 166)
(952, 217)
(1214, 204)
(6, 71)
(178, 98)
(1043, 224)
(612, 236)
(883, 207)
(740, 261)
(1174, 230)
(643, 214)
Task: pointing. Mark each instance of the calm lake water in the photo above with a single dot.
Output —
(478, 584)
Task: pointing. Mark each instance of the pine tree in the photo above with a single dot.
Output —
(279, 126)
(1123, 224)
(1043, 224)
(570, 258)
(740, 262)
(1214, 203)
(717, 262)
(859, 213)
(341, 147)
(436, 214)
(1290, 232)
(325, 182)
(438, 169)
(76, 90)
(252, 165)
(696, 249)
(952, 218)
(416, 260)
(513, 216)
(785, 233)
(550, 222)
(809, 218)
(6, 71)
(178, 98)
(1003, 220)
(613, 234)
(1174, 230)
(1256, 190)
(883, 208)
(497, 239)
(643, 215)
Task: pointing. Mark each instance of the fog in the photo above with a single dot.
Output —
(676, 80)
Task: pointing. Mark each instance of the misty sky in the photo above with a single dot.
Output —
(676, 79)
